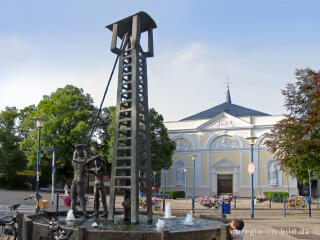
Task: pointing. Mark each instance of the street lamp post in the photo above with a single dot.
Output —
(252, 141)
(194, 158)
(185, 183)
(1, 144)
(288, 186)
(39, 122)
(310, 193)
(165, 181)
(154, 178)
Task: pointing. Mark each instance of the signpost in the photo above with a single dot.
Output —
(28, 173)
(251, 168)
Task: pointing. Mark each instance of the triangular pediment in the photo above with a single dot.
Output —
(224, 121)
(225, 163)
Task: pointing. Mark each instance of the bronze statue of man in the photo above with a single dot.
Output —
(79, 162)
(99, 190)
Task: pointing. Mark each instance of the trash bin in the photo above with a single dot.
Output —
(307, 198)
(225, 207)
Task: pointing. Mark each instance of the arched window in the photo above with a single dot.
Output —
(183, 145)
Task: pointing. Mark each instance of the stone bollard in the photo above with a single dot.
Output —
(27, 226)
(164, 235)
(20, 221)
(81, 234)
(224, 234)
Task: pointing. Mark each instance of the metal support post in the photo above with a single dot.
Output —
(252, 190)
(194, 158)
(38, 168)
(185, 186)
(165, 181)
(310, 193)
(284, 207)
(57, 204)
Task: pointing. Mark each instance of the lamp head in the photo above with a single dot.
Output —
(251, 140)
(185, 170)
(39, 121)
(194, 157)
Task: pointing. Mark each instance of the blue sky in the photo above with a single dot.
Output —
(257, 44)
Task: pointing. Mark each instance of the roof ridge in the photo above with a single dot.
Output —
(227, 107)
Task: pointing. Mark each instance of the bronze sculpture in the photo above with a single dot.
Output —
(99, 190)
(79, 161)
(131, 163)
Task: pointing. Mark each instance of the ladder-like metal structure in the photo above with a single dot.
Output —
(131, 163)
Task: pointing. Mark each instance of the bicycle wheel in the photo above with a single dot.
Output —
(8, 233)
(1, 231)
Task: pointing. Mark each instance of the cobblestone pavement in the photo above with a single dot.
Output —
(267, 224)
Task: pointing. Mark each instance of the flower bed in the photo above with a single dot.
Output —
(207, 201)
(156, 203)
(296, 202)
(261, 198)
(226, 197)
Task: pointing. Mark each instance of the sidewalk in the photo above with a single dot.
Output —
(267, 224)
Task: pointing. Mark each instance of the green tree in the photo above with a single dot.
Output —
(295, 140)
(11, 158)
(69, 114)
(162, 147)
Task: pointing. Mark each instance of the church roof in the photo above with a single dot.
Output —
(227, 107)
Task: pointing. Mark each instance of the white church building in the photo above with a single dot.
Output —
(216, 140)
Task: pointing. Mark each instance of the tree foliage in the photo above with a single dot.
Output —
(161, 146)
(295, 140)
(11, 158)
(69, 114)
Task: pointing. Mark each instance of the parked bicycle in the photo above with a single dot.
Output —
(9, 225)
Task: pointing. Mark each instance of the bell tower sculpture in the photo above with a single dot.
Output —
(131, 163)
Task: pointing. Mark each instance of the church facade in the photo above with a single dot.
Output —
(212, 145)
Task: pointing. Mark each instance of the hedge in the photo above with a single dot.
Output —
(173, 194)
(271, 195)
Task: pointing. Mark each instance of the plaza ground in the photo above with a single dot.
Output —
(267, 224)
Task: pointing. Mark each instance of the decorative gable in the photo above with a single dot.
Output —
(225, 163)
(224, 121)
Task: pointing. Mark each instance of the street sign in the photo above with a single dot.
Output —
(48, 149)
(28, 173)
(251, 168)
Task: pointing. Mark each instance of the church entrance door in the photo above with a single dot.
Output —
(224, 183)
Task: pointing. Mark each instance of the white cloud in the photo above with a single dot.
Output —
(181, 82)
(191, 79)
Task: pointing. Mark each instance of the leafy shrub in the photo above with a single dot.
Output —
(173, 194)
(271, 195)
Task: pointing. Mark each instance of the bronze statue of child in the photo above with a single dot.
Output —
(99, 190)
